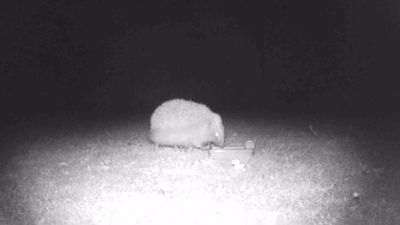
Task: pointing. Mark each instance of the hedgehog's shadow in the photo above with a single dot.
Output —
(187, 149)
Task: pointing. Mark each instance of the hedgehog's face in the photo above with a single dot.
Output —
(218, 131)
(219, 139)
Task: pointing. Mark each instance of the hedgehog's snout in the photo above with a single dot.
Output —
(219, 139)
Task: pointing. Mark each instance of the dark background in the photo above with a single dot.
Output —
(322, 57)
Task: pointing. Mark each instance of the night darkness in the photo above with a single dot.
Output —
(335, 57)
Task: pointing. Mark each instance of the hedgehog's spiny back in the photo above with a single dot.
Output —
(179, 113)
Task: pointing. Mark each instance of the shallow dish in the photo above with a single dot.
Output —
(231, 154)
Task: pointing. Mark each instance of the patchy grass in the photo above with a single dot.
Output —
(303, 172)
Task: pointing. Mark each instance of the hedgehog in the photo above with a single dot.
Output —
(187, 124)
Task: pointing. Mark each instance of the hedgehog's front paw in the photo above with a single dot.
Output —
(156, 148)
(206, 146)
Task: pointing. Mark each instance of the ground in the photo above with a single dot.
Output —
(306, 170)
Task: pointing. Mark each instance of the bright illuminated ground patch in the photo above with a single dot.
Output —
(112, 176)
